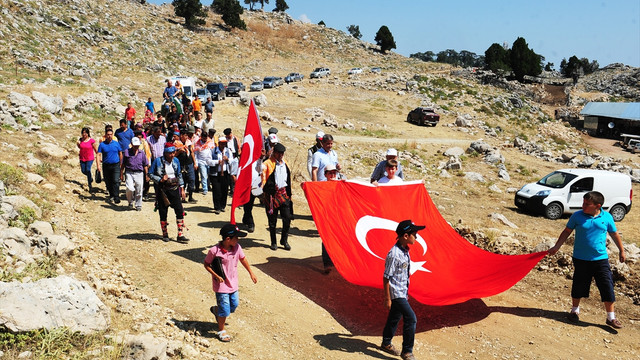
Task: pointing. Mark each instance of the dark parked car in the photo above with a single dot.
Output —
(234, 88)
(217, 91)
(293, 77)
(269, 82)
(423, 116)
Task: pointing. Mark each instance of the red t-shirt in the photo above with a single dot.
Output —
(129, 113)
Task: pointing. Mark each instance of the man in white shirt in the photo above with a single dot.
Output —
(219, 174)
(324, 157)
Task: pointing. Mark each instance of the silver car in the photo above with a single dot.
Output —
(256, 86)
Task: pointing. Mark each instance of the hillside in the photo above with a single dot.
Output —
(75, 63)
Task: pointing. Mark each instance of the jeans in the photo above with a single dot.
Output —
(400, 308)
(111, 175)
(220, 190)
(203, 169)
(189, 177)
(85, 167)
(227, 303)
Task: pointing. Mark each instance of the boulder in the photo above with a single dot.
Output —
(41, 228)
(494, 157)
(145, 347)
(495, 189)
(479, 146)
(501, 218)
(260, 100)
(462, 121)
(34, 178)
(56, 245)
(15, 241)
(53, 151)
(16, 99)
(454, 151)
(19, 202)
(473, 176)
(52, 303)
(49, 104)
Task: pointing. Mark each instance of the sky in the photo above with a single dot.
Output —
(607, 30)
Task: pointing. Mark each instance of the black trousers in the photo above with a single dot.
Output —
(174, 201)
(247, 218)
(111, 175)
(219, 190)
(285, 214)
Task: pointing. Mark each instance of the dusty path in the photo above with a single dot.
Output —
(294, 310)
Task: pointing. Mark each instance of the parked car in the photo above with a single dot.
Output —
(234, 88)
(293, 77)
(354, 71)
(636, 148)
(203, 94)
(188, 84)
(376, 70)
(279, 81)
(423, 116)
(561, 192)
(269, 82)
(217, 91)
(256, 86)
(320, 72)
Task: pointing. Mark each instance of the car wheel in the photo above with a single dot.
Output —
(618, 212)
(553, 211)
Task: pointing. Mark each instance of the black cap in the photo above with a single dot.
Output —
(273, 130)
(408, 227)
(231, 230)
(279, 148)
(227, 131)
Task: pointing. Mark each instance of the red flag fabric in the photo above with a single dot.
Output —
(357, 224)
(251, 151)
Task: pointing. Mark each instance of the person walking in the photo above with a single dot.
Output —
(227, 253)
(324, 157)
(312, 150)
(166, 174)
(124, 135)
(133, 171)
(277, 187)
(395, 282)
(88, 150)
(110, 156)
(219, 174)
(184, 153)
(590, 257)
(202, 150)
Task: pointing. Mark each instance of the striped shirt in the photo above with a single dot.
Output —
(396, 270)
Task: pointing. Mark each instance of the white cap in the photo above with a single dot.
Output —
(329, 167)
(392, 152)
(319, 135)
(135, 141)
(222, 138)
(273, 138)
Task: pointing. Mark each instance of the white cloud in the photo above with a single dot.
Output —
(304, 18)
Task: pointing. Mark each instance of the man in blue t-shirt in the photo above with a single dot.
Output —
(110, 157)
(124, 135)
(590, 258)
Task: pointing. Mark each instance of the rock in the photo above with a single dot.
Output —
(567, 158)
(15, 241)
(473, 176)
(495, 189)
(587, 161)
(18, 100)
(145, 347)
(50, 104)
(512, 190)
(34, 178)
(3, 190)
(494, 157)
(504, 175)
(52, 303)
(245, 99)
(462, 121)
(506, 244)
(453, 164)
(49, 187)
(20, 202)
(454, 151)
(444, 174)
(41, 228)
(479, 146)
(53, 151)
(330, 122)
(621, 272)
(544, 246)
(56, 245)
(632, 251)
(501, 218)
(260, 100)
(518, 142)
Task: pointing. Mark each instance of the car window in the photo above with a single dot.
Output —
(582, 185)
(557, 179)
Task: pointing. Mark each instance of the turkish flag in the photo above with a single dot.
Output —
(357, 224)
(251, 151)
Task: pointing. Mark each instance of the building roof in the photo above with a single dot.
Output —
(627, 111)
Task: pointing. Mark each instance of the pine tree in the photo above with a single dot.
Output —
(191, 10)
(354, 30)
(281, 5)
(230, 11)
(384, 39)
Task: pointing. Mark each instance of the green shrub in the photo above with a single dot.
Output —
(43, 268)
(45, 168)
(11, 176)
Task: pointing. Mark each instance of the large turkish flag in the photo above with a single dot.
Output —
(357, 224)
(251, 151)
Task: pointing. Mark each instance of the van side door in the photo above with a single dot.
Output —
(577, 191)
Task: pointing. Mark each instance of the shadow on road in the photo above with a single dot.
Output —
(349, 344)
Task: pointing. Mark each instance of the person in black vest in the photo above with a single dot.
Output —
(277, 188)
(234, 145)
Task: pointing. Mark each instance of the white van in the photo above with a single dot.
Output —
(561, 192)
(188, 85)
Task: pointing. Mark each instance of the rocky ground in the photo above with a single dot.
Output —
(154, 297)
